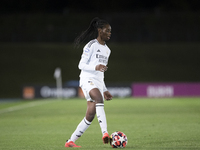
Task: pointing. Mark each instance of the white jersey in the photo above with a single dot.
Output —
(94, 54)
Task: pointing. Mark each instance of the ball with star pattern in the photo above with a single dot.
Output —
(118, 140)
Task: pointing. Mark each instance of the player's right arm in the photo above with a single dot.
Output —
(84, 63)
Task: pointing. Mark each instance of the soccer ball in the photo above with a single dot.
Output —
(118, 140)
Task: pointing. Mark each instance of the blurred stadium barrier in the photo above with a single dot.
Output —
(134, 90)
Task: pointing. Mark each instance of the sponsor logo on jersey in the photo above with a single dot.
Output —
(102, 58)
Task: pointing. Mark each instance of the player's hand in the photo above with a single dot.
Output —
(101, 68)
(107, 95)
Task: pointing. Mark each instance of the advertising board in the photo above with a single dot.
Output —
(165, 89)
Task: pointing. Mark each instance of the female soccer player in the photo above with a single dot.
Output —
(93, 65)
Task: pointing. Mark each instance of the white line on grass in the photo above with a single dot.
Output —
(24, 106)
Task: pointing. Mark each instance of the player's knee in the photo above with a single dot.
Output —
(96, 95)
(99, 100)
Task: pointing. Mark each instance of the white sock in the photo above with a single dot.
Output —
(101, 116)
(81, 128)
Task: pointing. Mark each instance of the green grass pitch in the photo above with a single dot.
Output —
(150, 124)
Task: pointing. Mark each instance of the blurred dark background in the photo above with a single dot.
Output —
(152, 41)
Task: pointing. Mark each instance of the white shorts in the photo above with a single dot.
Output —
(88, 84)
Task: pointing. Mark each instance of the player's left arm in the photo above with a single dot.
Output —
(106, 93)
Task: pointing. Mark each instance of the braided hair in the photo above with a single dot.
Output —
(91, 32)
